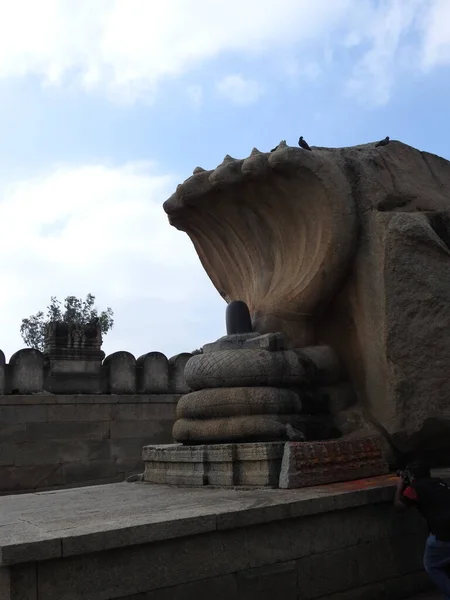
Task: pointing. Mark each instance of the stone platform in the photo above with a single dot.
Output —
(150, 542)
(225, 465)
(317, 463)
(264, 464)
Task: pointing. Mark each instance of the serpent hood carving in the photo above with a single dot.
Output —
(275, 230)
(348, 247)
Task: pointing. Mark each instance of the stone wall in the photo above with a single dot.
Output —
(49, 441)
(32, 372)
(334, 542)
(80, 421)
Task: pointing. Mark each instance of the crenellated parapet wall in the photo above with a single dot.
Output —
(30, 371)
(70, 416)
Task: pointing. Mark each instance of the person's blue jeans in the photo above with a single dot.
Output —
(436, 561)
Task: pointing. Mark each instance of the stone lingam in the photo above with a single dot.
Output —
(249, 397)
(342, 256)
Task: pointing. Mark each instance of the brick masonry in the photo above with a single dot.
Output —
(51, 441)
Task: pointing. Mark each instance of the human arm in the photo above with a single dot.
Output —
(400, 487)
(405, 495)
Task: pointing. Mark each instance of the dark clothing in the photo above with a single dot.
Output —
(432, 497)
(436, 561)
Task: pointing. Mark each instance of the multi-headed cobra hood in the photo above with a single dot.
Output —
(276, 230)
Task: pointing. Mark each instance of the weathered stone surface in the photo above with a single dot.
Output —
(238, 401)
(223, 587)
(317, 463)
(121, 369)
(93, 430)
(118, 542)
(23, 414)
(75, 412)
(267, 583)
(230, 342)
(70, 341)
(125, 466)
(240, 395)
(157, 430)
(177, 366)
(304, 245)
(153, 373)
(236, 368)
(144, 411)
(327, 363)
(92, 470)
(253, 428)
(416, 347)
(73, 358)
(356, 241)
(51, 452)
(45, 441)
(63, 523)
(268, 341)
(19, 583)
(27, 371)
(214, 464)
(2, 372)
(17, 478)
(338, 397)
(352, 423)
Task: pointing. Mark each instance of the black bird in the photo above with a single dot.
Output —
(384, 142)
(303, 144)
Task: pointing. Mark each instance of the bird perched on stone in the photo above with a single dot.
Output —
(384, 142)
(303, 144)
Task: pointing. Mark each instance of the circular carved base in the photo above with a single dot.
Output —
(249, 368)
(239, 401)
(254, 428)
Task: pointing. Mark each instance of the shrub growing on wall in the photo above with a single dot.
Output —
(74, 311)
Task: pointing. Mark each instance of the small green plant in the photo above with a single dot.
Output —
(75, 311)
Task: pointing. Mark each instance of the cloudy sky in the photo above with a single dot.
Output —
(106, 105)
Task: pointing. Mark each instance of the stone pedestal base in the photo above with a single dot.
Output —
(317, 463)
(228, 465)
(264, 464)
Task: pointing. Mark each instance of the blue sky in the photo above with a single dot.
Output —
(106, 105)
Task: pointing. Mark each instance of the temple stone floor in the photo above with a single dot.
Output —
(78, 544)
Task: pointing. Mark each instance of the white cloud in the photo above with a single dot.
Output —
(124, 48)
(436, 49)
(301, 70)
(374, 73)
(102, 229)
(195, 95)
(127, 46)
(239, 90)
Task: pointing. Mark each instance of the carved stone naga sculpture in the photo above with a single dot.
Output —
(347, 248)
